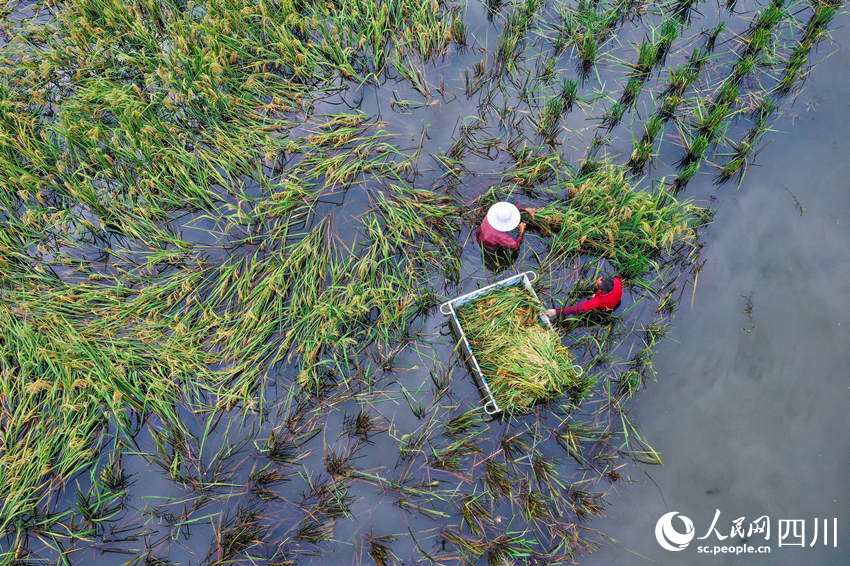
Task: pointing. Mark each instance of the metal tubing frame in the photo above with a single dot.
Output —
(448, 308)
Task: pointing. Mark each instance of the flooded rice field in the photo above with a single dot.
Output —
(227, 227)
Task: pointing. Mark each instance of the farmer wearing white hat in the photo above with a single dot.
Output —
(501, 219)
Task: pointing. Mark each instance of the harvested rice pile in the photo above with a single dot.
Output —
(522, 360)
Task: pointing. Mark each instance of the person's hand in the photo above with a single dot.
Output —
(551, 313)
(531, 211)
(521, 227)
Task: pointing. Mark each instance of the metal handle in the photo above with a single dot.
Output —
(491, 408)
(448, 306)
(580, 370)
(532, 276)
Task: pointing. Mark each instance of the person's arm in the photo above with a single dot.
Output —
(509, 241)
(529, 209)
(577, 308)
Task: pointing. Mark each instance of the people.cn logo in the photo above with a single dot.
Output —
(668, 537)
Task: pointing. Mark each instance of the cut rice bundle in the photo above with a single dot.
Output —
(522, 361)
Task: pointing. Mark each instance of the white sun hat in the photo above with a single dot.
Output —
(503, 216)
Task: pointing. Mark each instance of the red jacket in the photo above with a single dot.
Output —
(491, 239)
(607, 301)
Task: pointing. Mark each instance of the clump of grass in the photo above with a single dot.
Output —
(647, 54)
(314, 531)
(522, 361)
(668, 107)
(361, 425)
(474, 513)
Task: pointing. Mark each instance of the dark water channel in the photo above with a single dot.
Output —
(750, 412)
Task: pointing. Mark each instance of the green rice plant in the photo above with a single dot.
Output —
(614, 115)
(313, 531)
(737, 163)
(742, 68)
(667, 35)
(472, 548)
(587, 504)
(647, 56)
(568, 94)
(640, 72)
(534, 504)
(696, 150)
(463, 422)
(815, 28)
(719, 112)
(631, 91)
(685, 176)
(333, 501)
(711, 38)
(682, 11)
(549, 118)
(767, 18)
(515, 28)
(680, 78)
(823, 15)
(588, 48)
(361, 425)
(458, 31)
(513, 547)
(474, 514)
(532, 168)
(522, 361)
(493, 8)
(757, 41)
(764, 111)
(263, 479)
(642, 151)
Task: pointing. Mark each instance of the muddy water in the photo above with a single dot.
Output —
(750, 410)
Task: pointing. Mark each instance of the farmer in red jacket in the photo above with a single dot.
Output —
(501, 218)
(607, 297)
